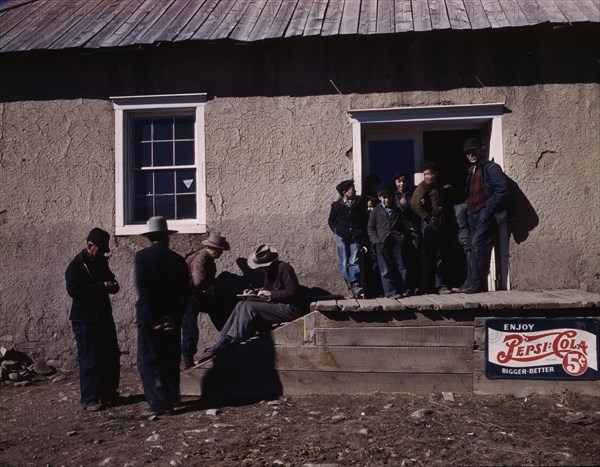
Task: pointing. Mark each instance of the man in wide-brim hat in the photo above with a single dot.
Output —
(278, 301)
(203, 276)
(163, 286)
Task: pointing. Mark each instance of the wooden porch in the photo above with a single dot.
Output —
(429, 343)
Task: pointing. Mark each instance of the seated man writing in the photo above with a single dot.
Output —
(282, 302)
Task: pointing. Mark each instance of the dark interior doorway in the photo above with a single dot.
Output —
(445, 148)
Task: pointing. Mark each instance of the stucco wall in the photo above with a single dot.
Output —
(273, 159)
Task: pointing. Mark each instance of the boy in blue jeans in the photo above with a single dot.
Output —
(347, 220)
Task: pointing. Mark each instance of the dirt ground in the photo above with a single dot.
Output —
(43, 424)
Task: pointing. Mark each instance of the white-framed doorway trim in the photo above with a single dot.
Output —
(486, 117)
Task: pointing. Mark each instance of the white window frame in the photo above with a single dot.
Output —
(127, 107)
(488, 117)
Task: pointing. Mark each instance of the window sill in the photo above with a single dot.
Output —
(181, 227)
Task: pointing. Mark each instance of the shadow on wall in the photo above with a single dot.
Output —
(523, 217)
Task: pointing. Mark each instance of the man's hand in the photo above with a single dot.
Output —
(251, 292)
(264, 293)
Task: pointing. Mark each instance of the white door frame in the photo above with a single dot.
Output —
(405, 120)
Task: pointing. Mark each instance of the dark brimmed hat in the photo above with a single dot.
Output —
(471, 143)
(158, 224)
(99, 238)
(217, 242)
(263, 256)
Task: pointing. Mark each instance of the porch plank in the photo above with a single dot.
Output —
(352, 359)
(348, 305)
(445, 302)
(389, 304)
(413, 336)
(387, 319)
(370, 304)
(577, 297)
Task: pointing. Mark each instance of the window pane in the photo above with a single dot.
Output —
(142, 183)
(184, 128)
(142, 208)
(186, 207)
(164, 182)
(164, 206)
(142, 129)
(186, 181)
(142, 155)
(163, 154)
(184, 153)
(163, 129)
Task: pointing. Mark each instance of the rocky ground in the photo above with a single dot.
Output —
(42, 424)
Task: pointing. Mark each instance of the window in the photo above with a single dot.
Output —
(160, 160)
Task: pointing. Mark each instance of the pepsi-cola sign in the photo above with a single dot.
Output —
(542, 348)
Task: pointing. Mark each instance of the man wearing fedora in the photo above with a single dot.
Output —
(278, 301)
(486, 195)
(162, 281)
(203, 275)
(89, 282)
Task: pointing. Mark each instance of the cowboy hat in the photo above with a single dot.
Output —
(216, 241)
(263, 256)
(158, 224)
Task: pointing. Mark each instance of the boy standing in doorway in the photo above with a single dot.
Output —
(427, 203)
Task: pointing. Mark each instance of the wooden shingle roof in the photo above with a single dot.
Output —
(90, 24)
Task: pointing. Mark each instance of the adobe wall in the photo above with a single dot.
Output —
(277, 141)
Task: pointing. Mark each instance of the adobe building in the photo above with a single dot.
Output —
(240, 117)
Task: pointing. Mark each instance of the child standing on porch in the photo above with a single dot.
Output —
(347, 220)
(392, 242)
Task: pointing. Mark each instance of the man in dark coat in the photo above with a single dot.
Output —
(162, 281)
(277, 302)
(486, 195)
(89, 281)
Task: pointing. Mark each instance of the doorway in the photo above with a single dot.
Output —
(383, 140)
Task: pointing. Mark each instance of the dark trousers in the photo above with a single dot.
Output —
(432, 242)
(248, 316)
(190, 333)
(393, 258)
(484, 230)
(158, 358)
(98, 360)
